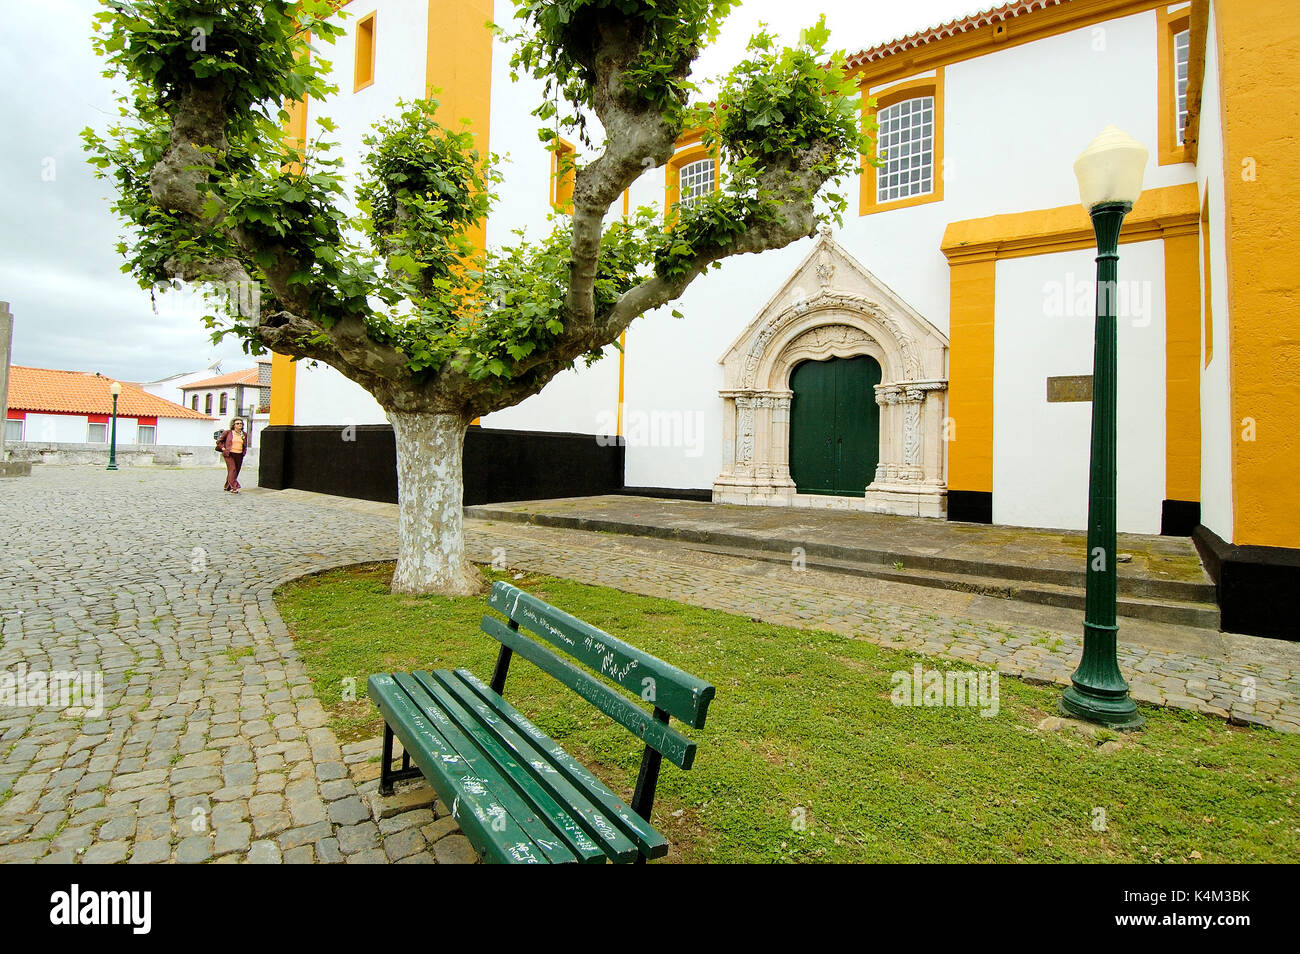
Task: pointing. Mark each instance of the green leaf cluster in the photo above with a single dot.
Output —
(399, 253)
(557, 44)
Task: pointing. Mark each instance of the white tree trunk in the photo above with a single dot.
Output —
(430, 491)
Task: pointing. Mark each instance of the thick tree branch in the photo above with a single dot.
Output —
(176, 182)
(795, 218)
(637, 137)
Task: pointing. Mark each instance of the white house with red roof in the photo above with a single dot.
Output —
(245, 394)
(60, 416)
(169, 388)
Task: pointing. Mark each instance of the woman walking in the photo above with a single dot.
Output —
(232, 443)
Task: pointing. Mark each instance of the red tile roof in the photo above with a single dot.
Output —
(975, 21)
(248, 376)
(80, 392)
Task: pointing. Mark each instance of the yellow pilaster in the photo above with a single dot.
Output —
(1182, 365)
(284, 375)
(458, 71)
(1259, 70)
(970, 375)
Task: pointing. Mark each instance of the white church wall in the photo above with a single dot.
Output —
(583, 400)
(1009, 147)
(673, 373)
(1043, 326)
(324, 396)
(401, 30)
(997, 160)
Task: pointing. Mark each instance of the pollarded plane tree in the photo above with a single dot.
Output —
(394, 295)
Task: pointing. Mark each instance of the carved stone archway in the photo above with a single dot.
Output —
(833, 307)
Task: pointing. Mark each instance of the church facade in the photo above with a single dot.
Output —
(931, 356)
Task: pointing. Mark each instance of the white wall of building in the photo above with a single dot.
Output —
(401, 30)
(579, 401)
(672, 368)
(1218, 429)
(583, 400)
(994, 133)
(127, 430)
(1043, 326)
(75, 429)
(170, 389)
(56, 428)
(185, 432)
(324, 396)
(1014, 121)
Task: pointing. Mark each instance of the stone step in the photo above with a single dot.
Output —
(1140, 588)
(1200, 614)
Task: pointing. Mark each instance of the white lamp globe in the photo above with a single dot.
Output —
(115, 389)
(1110, 169)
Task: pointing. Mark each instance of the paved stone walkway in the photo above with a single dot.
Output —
(211, 744)
(920, 542)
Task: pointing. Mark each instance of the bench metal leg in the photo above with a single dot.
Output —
(386, 763)
(387, 774)
(647, 780)
(498, 683)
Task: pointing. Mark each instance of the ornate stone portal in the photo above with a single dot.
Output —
(832, 307)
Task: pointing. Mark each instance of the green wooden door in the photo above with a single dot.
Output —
(834, 426)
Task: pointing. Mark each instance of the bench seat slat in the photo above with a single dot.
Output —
(541, 756)
(650, 841)
(676, 692)
(675, 747)
(448, 772)
(518, 773)
(496, 781)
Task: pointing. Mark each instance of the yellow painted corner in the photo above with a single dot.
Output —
(284, 383)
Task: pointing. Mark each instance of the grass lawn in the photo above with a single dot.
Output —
(803, 727)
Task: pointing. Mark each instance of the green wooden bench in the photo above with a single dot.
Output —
(518, 796)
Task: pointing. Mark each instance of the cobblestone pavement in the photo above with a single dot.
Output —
(211, 744)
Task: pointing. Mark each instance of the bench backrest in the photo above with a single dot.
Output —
(671, 691)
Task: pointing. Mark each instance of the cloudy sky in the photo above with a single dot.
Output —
(73, 307)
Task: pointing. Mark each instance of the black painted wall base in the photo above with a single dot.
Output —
(1178, 518)
(668, 493)
(499, 465)
(970, 506)
(1258, 588)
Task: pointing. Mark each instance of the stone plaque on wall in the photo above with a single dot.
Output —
(1071, 388)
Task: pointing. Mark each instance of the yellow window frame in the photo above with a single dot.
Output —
(363, 71)
(1169, 25)
(882, 99)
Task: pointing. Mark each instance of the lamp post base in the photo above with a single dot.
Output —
(1117, 712)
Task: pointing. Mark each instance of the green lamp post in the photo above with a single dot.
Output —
(1110, 180)
(115, 389)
